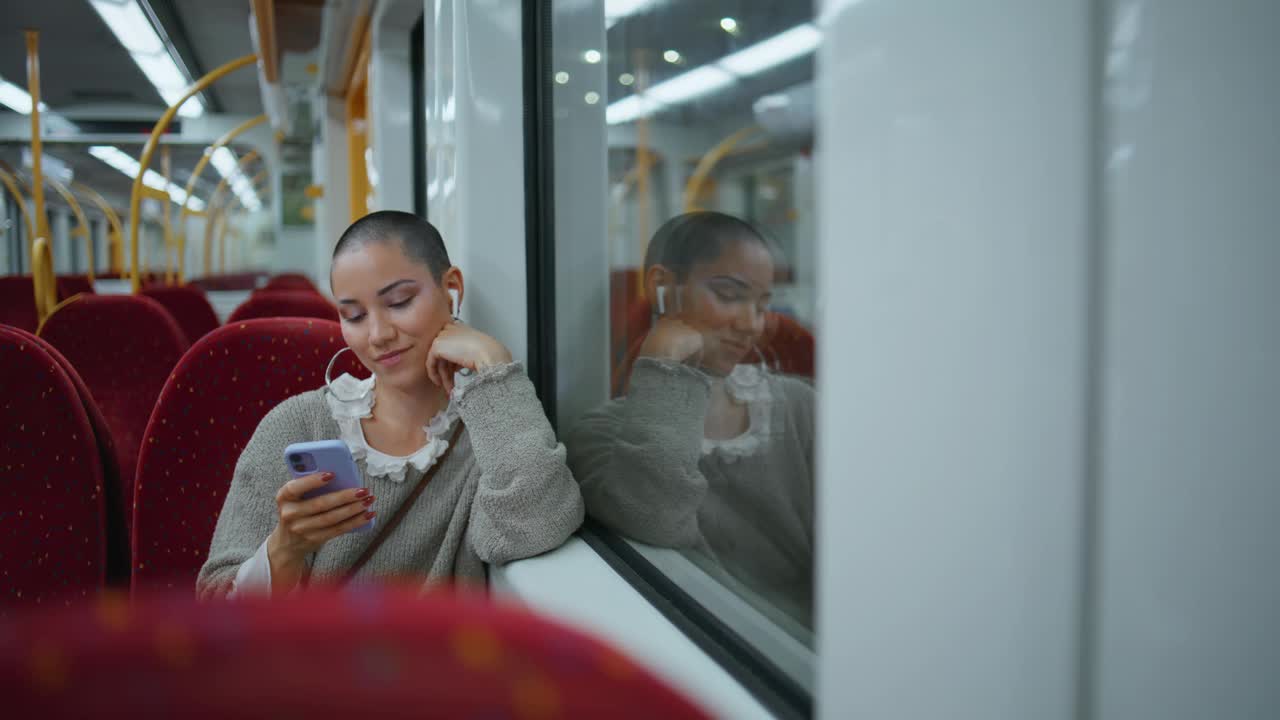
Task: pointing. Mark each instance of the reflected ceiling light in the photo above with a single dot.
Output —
(627, 79)
(125, 163)
(780, 48)
(631, 108)
(690, 85)
(592, 56)
(729, 25)
(784, 46)
(616, 10)
(562, 77)
(671, 56)
(157, 60)
(592, 98)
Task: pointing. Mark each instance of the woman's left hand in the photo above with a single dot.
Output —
(459, 346)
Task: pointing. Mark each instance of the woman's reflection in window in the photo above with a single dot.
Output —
(709, 451)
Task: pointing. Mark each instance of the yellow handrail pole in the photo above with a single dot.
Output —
(46, 286)
(708, 162)
(166, 167)
(115, 233)
(221, 142)
(83, 229)
(214, 201)
(37, 182)
(12, 185)
(135, 197)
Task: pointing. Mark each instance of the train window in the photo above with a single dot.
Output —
(684, 251)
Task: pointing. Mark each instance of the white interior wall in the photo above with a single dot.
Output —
(391, 102)
(1188, 603)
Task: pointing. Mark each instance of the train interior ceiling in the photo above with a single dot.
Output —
(830, 358)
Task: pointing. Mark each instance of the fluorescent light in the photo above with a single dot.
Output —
(15, 98)
(591, 98)
(627, 79)
(729, 25)
(562, 77)
(592, 56)
(671, 56)
(687, 86)
(225, 162)
(133, 30)
(793, 43)
(125, 163)
(709, 78)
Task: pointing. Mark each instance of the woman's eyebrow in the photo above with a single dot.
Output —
(393, 286)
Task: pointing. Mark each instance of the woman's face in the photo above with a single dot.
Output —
(391, 308)
(726, 300)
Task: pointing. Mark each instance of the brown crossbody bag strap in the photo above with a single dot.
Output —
(390, 525)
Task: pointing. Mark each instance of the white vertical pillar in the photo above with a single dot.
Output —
(475, 167)
(60, 229)
(953, 203)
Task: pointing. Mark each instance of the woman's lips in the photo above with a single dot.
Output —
(391, 358)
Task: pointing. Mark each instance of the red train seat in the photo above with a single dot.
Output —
(386, 653)
(18, 302)
(285, 303)
(189, 307)
(205, 415)
(124, 347)
(52, 531)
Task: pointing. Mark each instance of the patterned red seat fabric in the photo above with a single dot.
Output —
(18, 302)
(116, 522)
(52, 530)
(124, 346)
(384, 653)
(205, 416)
(69, 285)
(285, 303)
(290, 281)
(189, 307)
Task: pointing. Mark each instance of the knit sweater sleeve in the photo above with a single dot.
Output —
(637, 458)
(249, 512)
(526, 502)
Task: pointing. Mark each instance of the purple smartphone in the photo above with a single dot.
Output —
(325, 456)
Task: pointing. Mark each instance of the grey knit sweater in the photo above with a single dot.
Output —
(643, 472)
(503, 493)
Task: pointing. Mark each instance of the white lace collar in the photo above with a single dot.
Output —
(748, 384)
(357, 403)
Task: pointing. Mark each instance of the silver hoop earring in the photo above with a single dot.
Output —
(328, 381)
(762, 370)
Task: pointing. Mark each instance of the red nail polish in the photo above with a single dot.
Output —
(326, 476)
(370, 514)
(368, 501)
(362, 492)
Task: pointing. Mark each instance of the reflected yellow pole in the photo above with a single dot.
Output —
(37, 174)
(83, 229)
(115, 233)
(11, 184)
(135, 199)
(708, 162)
(215, 202)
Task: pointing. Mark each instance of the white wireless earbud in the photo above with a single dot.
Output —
(662, 300)
(457, 304)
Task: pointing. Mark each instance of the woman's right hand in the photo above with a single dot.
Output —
(672, 339)
(302, 526)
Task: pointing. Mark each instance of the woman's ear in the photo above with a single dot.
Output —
(453, 285)
(657, 283)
